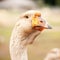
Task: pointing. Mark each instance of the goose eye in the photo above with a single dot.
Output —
(26, 17)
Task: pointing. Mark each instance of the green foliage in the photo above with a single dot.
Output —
(48, 2)
(58, 2)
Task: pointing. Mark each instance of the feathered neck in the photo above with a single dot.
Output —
(18, 43)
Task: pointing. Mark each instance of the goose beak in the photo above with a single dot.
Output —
(48, 27)
(40, 24)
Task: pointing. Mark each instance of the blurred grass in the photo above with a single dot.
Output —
(47, 40)
(5, 32)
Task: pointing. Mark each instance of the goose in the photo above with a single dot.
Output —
(54, 54)
(26, 29)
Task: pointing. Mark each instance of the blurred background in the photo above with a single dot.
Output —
(10, 11)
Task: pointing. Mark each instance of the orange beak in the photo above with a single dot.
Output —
(39, 24)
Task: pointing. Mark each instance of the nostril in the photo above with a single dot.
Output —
(41, 21)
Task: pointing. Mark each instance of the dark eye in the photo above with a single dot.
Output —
(26, 17)
(41, 21)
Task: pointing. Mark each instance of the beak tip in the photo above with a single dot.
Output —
(49, 27)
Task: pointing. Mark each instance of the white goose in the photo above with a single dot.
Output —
(27, 28)
(54, 54)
